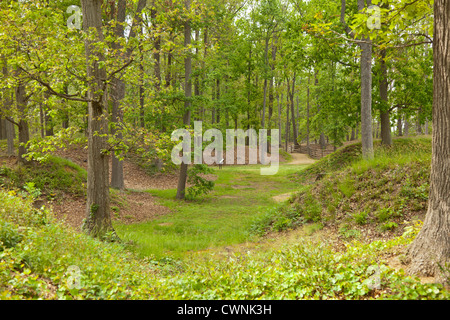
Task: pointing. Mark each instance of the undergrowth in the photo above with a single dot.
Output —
(40, 258)
(53, 178)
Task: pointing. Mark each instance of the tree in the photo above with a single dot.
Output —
(386, 138)
(187, 102)
(117, 94)
(98, 218)
(7, 103)
(429, 254)
(117, 89)
(366, 92)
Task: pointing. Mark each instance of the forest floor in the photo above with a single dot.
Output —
(146, 214)
(130, 206)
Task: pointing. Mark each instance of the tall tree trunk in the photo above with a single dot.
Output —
(24, 133)
(141, 106)
(142, 90)
(271, 88)
(41, 120)
(249, 89)
(7, 103)
(218, 100)
(98, 218)
(117, 95)
(366, 93)
(10, 137)
(399, 124)
(418, 126)
(187, 104)
(117, 177)
(307, 114)
(213, 98)
(2, 129)
(386, 138)
(279, 118)
(266, 51)
(65, 117)
(406, 132)
(287, 129)
(431, 248)
(294, 125)
(199, 111)
(157, 64)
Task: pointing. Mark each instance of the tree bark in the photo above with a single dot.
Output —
(431, 248)
(266, 50)
(24, 133)
(366, 84)
(308, 106)
(279, 118)
(399, 124)
(187, 103)
(42, 121)
(2, 129)
(10, 138)
(287, 129)
(141, 93)
(294, 125)
(7, 103)
(406, 132)
(98, 218)
(218, 100)
(157, 65)
(117, 95)
(117, 177)
(385, 122)
(418, 126)
(366, 93)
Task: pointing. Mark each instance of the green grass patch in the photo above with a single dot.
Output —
(222, 217)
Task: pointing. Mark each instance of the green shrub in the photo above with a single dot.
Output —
(388, 226)
(200, 185)
(311, 209)
(347, 187)
(349, 233)
(361, 217)
(9, 235)
(385, 214)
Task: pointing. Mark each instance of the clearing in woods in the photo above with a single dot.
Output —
(220, 218)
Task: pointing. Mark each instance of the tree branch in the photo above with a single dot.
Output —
(120, 69)
(9, 118)
(51, 91)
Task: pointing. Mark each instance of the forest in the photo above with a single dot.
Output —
(352, 98)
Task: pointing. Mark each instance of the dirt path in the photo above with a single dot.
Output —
(300, 158)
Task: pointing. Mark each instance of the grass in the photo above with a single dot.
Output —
(221, 218)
